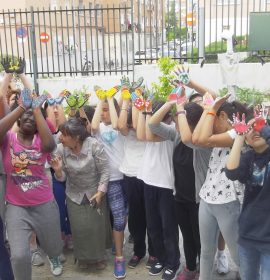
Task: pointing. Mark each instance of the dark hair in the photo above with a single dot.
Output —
(129, 117)
(231, 108)
(89, 111)
(75, 127)
(193, 96)
(194, 113)
(157, 105)
(116, 105)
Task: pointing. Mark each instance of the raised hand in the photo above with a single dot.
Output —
(138, 102)
(26, 99)
(137, 84)
(208, 100)
(240, 126)
(148, 101)
(178, 95)
(7, 65)
(219, 101)
(125, 93)
(101, 94)
(82, 99)
(39, 100)
(112, 91)
(182, 74)
(56, 163)
(20, 66)
(259, 121)
(125, 83)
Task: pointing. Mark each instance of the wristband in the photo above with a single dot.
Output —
(147, 113)
(22, 107)
(182, 112)
(124, 109)
(211, 113)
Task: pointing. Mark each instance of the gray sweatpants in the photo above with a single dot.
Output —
(215, 218)
(21, 221)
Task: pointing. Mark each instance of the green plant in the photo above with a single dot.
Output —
(162, 89)
(249, 96)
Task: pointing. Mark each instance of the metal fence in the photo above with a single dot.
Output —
(106, 40)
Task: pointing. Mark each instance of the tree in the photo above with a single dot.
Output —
(173, 30)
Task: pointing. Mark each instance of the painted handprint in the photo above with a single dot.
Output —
(260, 121)
(178, 96)
(182, 74)
(240, 126)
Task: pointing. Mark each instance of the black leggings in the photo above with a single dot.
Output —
(187, 218)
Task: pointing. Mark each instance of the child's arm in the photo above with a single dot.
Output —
(4, 108)
(184, 129)
(123, 117)
(97, 116)
(140, 130)
(233, 160)
(160, 131)
(206, 137)
(113, 112)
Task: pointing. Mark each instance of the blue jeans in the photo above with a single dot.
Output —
(5, 265)
(59, 191)
(254, 265)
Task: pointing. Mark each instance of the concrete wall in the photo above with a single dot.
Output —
(249, 75)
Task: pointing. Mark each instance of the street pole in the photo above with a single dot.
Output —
(34, 50)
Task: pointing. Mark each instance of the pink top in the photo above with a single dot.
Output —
(27, 183)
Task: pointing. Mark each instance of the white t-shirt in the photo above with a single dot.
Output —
(113, 143)
(217, 188)
(157, 164)
(133, 154)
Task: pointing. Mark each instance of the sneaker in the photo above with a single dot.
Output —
(56, 266)
(222, 264)
(119, 269)
(156, 269)
(150, 262)
(170, 274)
(134, 261)
(187, 275)
(37, 259)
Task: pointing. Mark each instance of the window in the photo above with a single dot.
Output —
(81, 4)
(228, 2)
(53, 4)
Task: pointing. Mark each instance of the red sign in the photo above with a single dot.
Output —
(44, 37)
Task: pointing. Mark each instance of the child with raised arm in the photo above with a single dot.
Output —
(220, 198)
(31, 206)
(134, 187)
(104, 128)
(156, 172)
(252, 169)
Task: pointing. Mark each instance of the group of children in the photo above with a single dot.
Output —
(80, 179)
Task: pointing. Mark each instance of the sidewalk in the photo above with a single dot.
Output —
(72, 272)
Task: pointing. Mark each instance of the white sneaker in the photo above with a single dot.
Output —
(56, 266)
(222, 264)
(37, 259)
